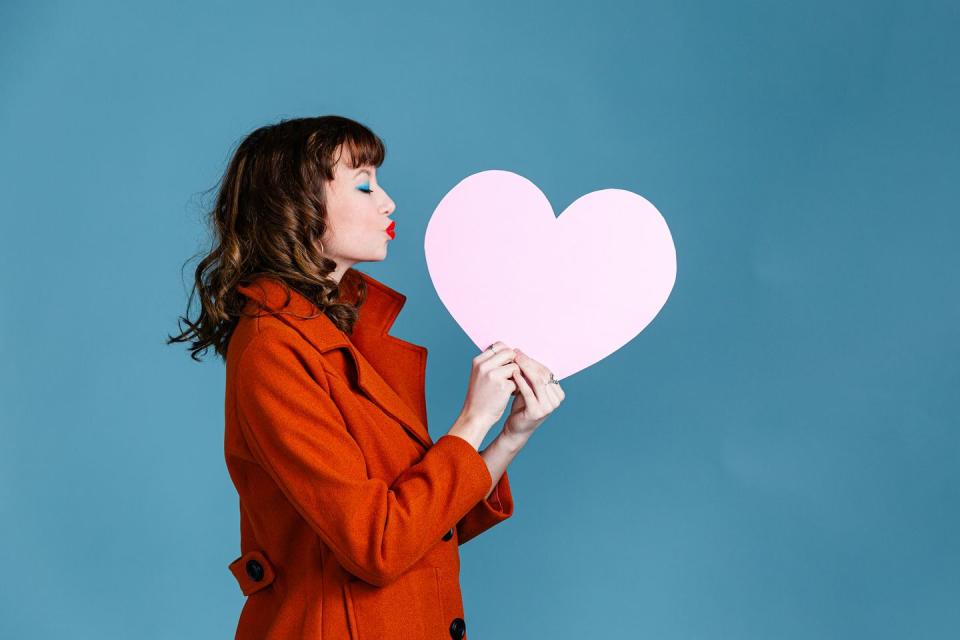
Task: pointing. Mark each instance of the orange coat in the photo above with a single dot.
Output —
(351, 516)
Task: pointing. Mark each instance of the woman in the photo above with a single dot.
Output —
(350, 514)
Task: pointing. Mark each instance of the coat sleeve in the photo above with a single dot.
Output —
(296, 432)
(488, 512)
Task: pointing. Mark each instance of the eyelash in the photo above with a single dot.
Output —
(367, 190)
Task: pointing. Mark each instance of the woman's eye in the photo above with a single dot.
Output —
(365, 188)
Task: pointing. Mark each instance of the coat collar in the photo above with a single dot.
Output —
(390, 371)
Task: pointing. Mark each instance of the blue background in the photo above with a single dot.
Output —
(775, 456)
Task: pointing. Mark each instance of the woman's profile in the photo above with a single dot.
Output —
(351, 515)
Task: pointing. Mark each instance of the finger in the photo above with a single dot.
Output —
(506, 371)
(537, 368)
(499, 354)
(554, 393)
(497, 346)
(547, 391)
(535, 385)
(514, 370)
(529, 397)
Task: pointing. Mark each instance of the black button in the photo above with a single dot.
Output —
(448, 535)
(254, 570)
(457, 628)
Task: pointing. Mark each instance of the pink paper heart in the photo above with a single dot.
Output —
(567, 290)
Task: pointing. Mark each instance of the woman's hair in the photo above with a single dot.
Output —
(268, 218)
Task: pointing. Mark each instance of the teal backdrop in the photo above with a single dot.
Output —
(776, 456)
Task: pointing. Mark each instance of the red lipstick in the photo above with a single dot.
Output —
(390, 230)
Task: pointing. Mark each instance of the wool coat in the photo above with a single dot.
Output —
(351, 515)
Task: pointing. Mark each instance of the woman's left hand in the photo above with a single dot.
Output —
(537, 397)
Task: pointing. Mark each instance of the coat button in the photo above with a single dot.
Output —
(254, 570)
(448, 535)
(457, 628)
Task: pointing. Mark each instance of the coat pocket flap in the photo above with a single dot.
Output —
(253, 571)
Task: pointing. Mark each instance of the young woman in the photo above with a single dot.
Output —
(351, 515)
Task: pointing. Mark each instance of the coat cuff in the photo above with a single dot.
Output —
(500, 503)
(474, 469)
(487, 513)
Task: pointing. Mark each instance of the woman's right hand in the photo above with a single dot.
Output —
(491, 385)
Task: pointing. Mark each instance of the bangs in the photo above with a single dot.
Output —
(363, 147)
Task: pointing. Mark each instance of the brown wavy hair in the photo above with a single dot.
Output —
(268, 219)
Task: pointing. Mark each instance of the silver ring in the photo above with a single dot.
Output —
(491, 349)
(553, 380)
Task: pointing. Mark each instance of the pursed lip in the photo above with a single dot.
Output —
(390, 230)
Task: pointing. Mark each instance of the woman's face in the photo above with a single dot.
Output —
(357, 210)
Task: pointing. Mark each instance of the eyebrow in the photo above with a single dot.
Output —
(359, 171)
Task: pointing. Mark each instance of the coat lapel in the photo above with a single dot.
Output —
(390, 371)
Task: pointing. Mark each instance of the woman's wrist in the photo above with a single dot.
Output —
(512, 440)
(470, 429)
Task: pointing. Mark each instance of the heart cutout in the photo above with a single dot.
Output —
(568, 290)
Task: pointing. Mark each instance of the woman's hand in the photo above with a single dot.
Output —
(536, 399)
(491, 384)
